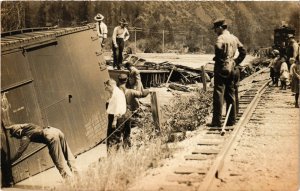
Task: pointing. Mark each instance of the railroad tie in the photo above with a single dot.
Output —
(210, 142)
(184, 178)
(195, 157)
(228, 128)
(177, 187)
(206, 151)
(189, 170)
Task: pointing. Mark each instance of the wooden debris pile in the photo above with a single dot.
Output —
(181, 74)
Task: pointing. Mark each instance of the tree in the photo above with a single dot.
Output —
(12, 15)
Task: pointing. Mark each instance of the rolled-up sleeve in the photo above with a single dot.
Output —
(126, 35)
(104, 29)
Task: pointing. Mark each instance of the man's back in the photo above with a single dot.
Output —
(226, 46)
(131, 98)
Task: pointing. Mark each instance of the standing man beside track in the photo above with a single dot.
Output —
(226, 72)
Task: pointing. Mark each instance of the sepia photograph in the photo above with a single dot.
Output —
(168, 95)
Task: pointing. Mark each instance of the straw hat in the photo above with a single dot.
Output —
(99, 17)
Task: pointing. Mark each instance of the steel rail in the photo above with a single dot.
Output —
(215, 170)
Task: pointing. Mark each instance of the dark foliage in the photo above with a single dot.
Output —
(178, 24)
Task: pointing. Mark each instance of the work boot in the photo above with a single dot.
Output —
(230, 123)
(296, 105)
(213, 125)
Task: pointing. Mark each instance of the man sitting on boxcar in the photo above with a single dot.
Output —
(55, 140)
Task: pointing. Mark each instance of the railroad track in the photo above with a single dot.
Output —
(212, 148)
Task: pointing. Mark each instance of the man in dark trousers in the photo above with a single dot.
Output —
(226, 73)
(55, 140)
(119, 37)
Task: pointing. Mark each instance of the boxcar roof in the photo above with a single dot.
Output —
(20, 38)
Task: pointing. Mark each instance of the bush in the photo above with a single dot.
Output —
(187, 112)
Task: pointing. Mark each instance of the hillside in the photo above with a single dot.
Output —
(185, 23)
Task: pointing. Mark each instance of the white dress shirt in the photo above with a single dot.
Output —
(101, 30)
(117, 103)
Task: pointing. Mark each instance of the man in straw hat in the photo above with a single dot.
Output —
(225, 72)
(120, 35)
(101, 28)
(59, 149)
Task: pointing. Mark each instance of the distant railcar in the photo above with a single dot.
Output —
(281, 38)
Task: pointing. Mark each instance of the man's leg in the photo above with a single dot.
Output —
(69, 157)
(218, 100)
(236, 77)
(113, 134)
(230, 99)
(126, 134)
(120, 56)
(55, 150)
(115, 56)
(237, 104)
(109, 130)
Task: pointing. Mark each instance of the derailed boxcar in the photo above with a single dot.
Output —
(52, 77)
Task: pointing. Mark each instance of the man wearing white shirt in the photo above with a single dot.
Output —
(115, 109)
(101, 28)
(120, 35)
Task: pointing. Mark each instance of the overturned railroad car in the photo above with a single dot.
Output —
(51, 77)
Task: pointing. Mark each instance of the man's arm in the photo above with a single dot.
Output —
(23, 146)
(295, 50)
(219, 53)
(114, 37)
(104, 31)
(140, 94)
(126, 36)
(242, 55)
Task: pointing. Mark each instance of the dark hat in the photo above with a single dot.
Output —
(128, 64)
(123, 21)
(99, 17)
(219, 23)
(122, 77)
(291, 36)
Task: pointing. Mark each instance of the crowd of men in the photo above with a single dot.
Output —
(284, 67)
